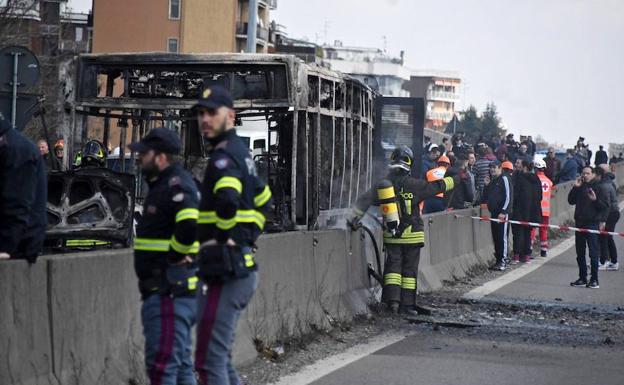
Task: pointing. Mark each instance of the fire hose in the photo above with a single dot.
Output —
(376, 274)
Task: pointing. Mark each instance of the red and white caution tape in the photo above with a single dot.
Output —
(559, 227)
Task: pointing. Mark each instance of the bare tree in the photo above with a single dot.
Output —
(15, 16)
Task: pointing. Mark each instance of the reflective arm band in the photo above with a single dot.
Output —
(146, 244)
(228, 182)
(262, 198)
(225, 224)
(185, 214)
(251, 216)
(207, 218)
(242, 216)
(184, 249)
(449, 182)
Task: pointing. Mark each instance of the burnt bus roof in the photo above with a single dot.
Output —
(157, 81)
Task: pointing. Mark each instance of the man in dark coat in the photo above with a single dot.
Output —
(601, 156)
(23, 186)
(527, 207)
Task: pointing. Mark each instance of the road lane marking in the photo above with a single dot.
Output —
(330, 364)
(505, 279)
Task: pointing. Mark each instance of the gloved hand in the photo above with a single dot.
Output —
(404, 224)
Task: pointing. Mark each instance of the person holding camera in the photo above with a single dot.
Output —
(232, 215)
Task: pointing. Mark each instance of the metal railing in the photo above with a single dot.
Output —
(261, 32)
(442, 95)
(440, 115)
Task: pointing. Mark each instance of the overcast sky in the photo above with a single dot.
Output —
(553, 67)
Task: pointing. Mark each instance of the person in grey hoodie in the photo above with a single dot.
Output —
(608, 250)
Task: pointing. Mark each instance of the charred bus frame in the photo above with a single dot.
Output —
(320, 123)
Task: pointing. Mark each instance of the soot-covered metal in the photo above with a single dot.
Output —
(310, 129)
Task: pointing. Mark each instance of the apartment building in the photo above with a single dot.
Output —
(441, 91)
(179, 25)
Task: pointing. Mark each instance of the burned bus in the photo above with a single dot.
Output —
(310, 130)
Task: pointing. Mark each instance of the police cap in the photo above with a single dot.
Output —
(214, 97)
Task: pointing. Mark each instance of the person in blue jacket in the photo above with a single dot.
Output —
(569, 171)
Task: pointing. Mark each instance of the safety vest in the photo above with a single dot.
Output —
(436, 174)
(547, 186)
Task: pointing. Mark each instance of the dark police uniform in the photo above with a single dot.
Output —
(24, 192)
(233, 206)
(165, 234)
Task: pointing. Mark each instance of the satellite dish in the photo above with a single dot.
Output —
(27, 68)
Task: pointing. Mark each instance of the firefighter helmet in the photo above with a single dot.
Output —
(94, 153)
(402, 157)
(539, 164)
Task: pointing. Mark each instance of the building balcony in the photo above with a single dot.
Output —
(262, 34)
(445, 116)
(442, 96)
(271, 4)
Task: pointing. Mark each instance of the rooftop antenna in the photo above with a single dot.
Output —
(385, 43)
(325, 31)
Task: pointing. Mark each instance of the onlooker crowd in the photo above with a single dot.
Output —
(505, 176)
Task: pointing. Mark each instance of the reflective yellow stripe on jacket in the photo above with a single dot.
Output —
(242, 216)
(188, 213)
(164, 245)
(262, 198)
(408, 237)
(228, 182)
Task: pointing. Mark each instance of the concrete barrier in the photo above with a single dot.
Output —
(75, 319)
(561, 210)
(95, 318)
(25, 338)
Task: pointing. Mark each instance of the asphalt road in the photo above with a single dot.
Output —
(551, 283)
(505, 356)
(441, 360)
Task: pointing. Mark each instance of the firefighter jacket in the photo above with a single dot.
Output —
(166, 231)
(409, 192)
(234, 200)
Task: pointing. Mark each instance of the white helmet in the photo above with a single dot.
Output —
(539, 163)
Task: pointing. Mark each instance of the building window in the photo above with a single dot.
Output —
(172, 45)
(79, 33)
(174, 9)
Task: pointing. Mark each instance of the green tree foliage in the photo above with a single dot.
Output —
(485, 125)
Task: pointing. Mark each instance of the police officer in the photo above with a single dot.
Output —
(232, 216)
(164, 248)
(24, 192)
(403, 247)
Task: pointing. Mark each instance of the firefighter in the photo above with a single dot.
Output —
(232, 216)
(164, 250)
(436, 203)
(404, 240)
(547, 188)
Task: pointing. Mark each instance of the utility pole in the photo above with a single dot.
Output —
(252, 23)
